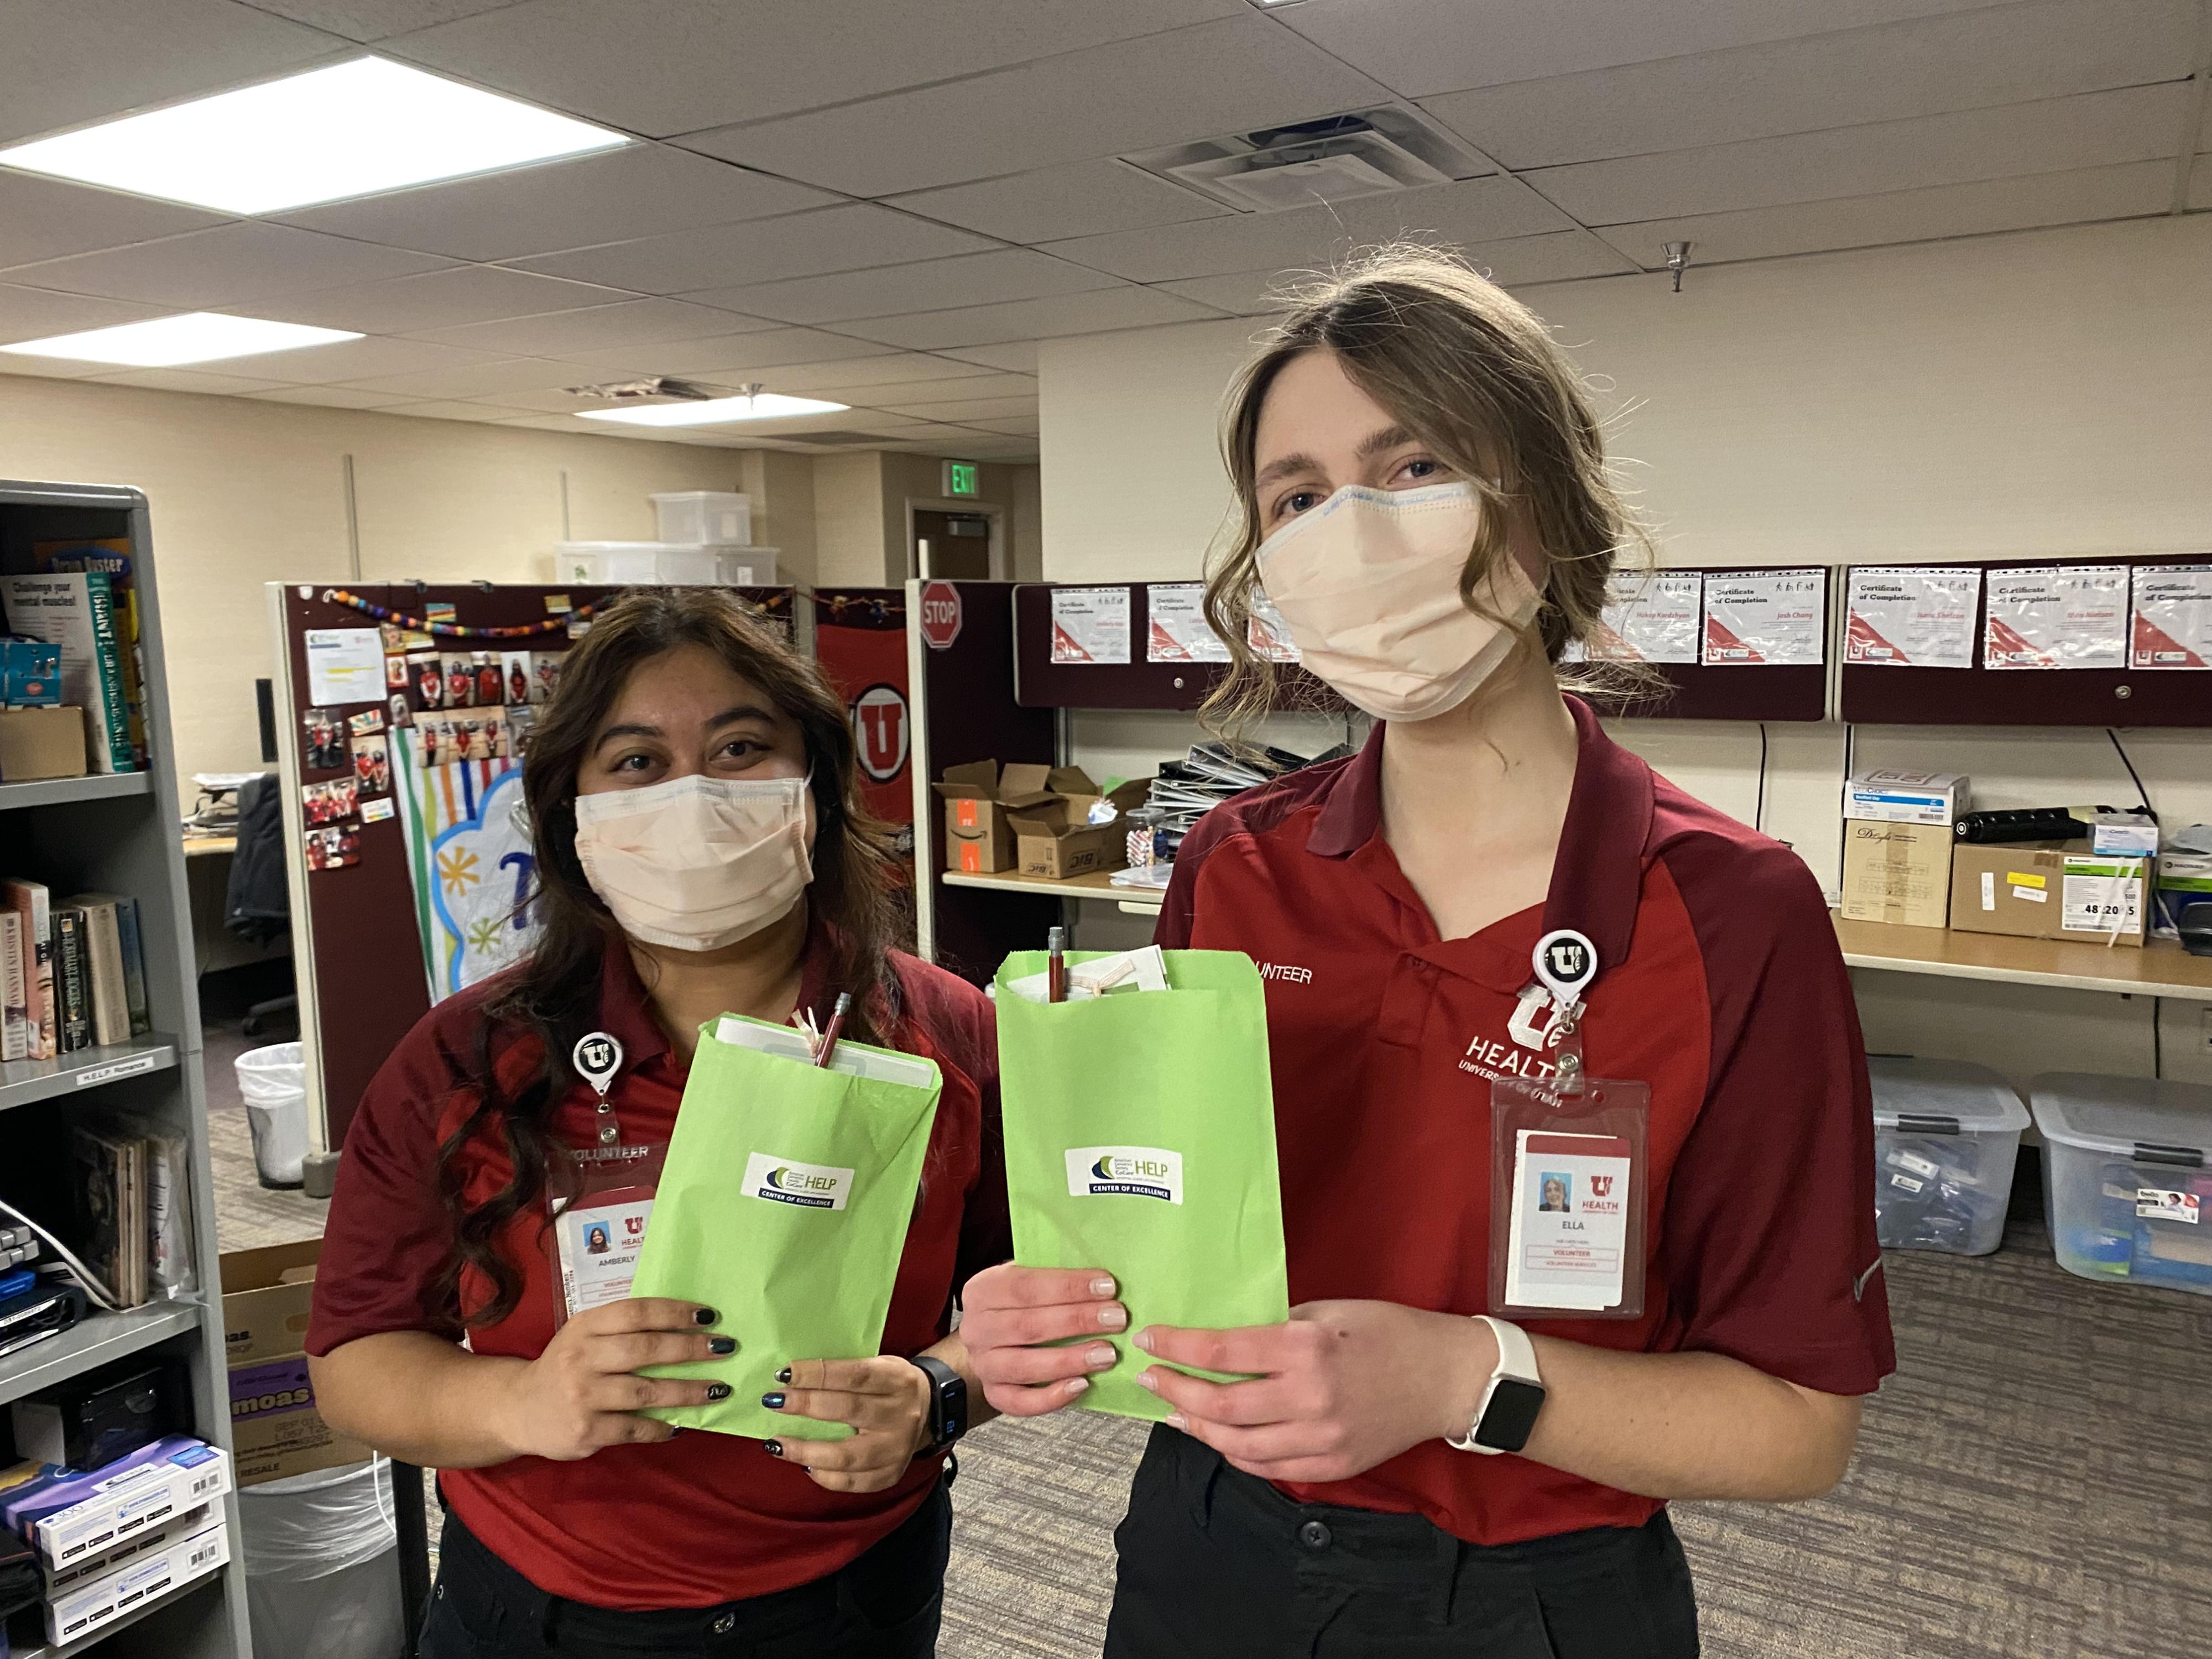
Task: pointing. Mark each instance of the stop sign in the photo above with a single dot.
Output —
(940, 614)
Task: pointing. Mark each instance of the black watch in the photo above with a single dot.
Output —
(948, 1404)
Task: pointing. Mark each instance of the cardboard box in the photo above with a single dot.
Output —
(274, 1429)
(2105, 900)
(978, 839)
(1896, 872)
(2125, 835)
(1888, 796)
(73, 1616)
(2018, 888)
(1056, 838)
(42, 743)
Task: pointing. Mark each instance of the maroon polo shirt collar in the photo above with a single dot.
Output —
(626, 1012)
(1598, 877)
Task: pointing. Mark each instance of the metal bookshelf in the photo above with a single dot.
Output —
(119, 834)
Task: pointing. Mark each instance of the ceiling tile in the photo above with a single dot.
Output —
(330, 397)
(727, 353)
(2004, 55)
(70, 62)
(375, 20)
(1232, 75)
(925, 285)
(35, 313)
(642, 189)
(2056, 135)
(1968, 210)
(1033, 319)
(1083, 198)
(893, 369)
(231, 266)
(359, 359)
(843, 238)
(448, 410)
(2200, 183)
(667, 66)
(976, 408)
(1472, 210)
(440, 299)
(46, 219)
(190, 380)
(482, 379)
(48, 368)
(898, 395)
(1016, 427)
(1442, 45)
(599, 327)
(1016, 356)
(1521, 261)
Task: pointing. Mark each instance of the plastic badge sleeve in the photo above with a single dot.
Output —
(1569, 1190)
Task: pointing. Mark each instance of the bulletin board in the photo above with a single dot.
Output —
(1750, 689)
(358, 924)
(1150, 676)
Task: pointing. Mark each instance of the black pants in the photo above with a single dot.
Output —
(1215, 1562)
(882, 1606)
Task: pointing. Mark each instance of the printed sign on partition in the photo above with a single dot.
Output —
(1769, 618)
(2172, 625)
(1178, 630)
(1910, 617)
(345, 666)
(1090, 624)
(1650, 618)
(2073, 616)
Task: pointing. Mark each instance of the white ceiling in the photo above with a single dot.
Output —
(889, 205)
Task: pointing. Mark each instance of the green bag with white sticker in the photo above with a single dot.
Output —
(1140, 1139)
(784, 1205)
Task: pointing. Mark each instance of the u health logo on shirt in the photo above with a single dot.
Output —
(1534, 1027)
(1127, 1171)
(787, 1181)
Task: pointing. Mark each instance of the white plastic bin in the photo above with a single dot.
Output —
(616, 563)
(1945, 1136)
(2124, 1179)
(322, 1564)
(273, 1082)
(746, 567)
(697, 518)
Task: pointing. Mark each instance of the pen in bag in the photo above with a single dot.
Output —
(1055, 969)
(830, 1031)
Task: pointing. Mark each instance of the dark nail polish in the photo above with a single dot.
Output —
(721, 1344)
(718, 1391)
(774, 1448)
(784, 1375)
(773, 1401)
(704, 1315)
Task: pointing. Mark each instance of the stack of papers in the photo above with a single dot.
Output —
(850, 1058)
(1145, 970)
(1188, 789)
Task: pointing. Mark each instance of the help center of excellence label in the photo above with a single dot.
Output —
(1127, 1171)
(787, 1181)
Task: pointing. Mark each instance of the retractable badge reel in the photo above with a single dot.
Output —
(596, 1236)
(1567, 1158)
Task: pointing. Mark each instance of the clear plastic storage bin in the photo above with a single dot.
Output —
(1945, 1136)
(617, 563)
(2124, 1178)
(704, 517)
(746, 567)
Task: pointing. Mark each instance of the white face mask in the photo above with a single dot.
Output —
(1369, 583)
(696, 863)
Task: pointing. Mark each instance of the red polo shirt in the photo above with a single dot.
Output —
(704, 1517)
(1720, 986)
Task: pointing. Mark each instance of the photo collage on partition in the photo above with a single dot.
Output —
(331, 741)
(465, 705)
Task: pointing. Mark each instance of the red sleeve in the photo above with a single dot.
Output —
(386, 1240)
(1769, 1247)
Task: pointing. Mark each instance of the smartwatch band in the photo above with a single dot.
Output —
(948, 1403)
(1506, 1415)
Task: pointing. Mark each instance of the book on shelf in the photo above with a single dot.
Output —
(73, 978)
(29, 900)
(111, 556)
(14, 990)
(134, 966)
(76, 611)
(111, 1210)
(105, 970)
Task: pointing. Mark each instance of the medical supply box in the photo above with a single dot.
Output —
(2040, 890)
(1885, 795)
(1897, 872)
(2126, 1183)
(1945, 1136)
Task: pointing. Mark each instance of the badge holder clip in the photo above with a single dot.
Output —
(595, 1233)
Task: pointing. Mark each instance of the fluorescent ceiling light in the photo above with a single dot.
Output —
(199, 336)
(762, 407)
(352, 129)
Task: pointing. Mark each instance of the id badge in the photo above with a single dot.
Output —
(596, 1234)
(1568, 1191)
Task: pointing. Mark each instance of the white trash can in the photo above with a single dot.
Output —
(274, 1083)
(322, 1564)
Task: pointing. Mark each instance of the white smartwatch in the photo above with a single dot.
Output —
(1506, 1416)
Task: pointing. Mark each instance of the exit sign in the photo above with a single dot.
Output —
(964, 478)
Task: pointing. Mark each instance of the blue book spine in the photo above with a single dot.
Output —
(134, 966)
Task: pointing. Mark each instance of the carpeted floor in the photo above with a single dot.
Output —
(2035, 1483)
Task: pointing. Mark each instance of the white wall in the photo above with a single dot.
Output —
(2032, 395)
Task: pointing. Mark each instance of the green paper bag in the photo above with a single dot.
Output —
(1140, 1139)
(784, 1206)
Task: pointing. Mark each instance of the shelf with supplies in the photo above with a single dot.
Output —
(1135, 901)
(122, 1622)
(51, 792)
(23, 1081)
(94, 1340)
(2158, 969)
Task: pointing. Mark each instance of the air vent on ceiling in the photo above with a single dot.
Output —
(1362, 154)
(831, 439)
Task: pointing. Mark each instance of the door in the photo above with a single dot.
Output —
(952, 546)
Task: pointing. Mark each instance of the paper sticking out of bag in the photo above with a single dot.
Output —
(1129, 971)
(852, 1059)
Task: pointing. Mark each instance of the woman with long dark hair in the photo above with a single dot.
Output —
(701, 848)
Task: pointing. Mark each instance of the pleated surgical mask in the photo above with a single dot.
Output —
(1368, 583)
(696, 863)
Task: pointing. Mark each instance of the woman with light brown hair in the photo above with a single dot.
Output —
(1497, 918)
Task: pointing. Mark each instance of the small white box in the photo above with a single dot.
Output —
(112, 1556)
(1886, 796)
(701, 518)
(2124, 834)
(138, 1500)
(74, 1613)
